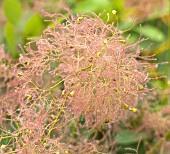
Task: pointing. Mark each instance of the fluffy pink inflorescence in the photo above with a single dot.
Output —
(101, 73)
(90, 60)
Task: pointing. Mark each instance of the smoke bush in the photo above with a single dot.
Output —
(102, 75)
(80, 67)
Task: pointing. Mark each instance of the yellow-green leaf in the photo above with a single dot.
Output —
(12, 10)
(34, 26)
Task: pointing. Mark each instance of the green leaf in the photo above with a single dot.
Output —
(91, 5)
(10, 38)
(152, 33)
(90, 135)
(34, 25)
(71, 1)
(10, 35)
(12, 10)
(119, 5)
(127, 137)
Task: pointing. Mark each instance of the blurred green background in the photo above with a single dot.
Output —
(23, 20)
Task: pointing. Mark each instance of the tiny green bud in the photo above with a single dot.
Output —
(126, 107)
(133, 109)
(79, 19)
(72, 93)
(99, 54)
(122, 41)
(63, 92)
(105, 41)
(106, 120)
(71, 84)
(29, 97)
(86, 68)
(20, 74)
(140, 87)
(125, 91)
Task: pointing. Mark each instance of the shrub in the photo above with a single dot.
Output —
(80, 68)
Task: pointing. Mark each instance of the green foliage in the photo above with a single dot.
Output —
(151, 32)
(10, 38)
(128, 137)
(91, 5)
(34, 25)
(12, 10)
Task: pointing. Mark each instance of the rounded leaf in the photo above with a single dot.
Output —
(12, 10)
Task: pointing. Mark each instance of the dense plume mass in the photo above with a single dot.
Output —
(80, 67)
